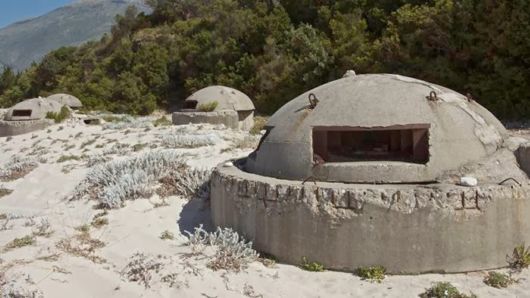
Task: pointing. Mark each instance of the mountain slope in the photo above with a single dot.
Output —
(27, 41)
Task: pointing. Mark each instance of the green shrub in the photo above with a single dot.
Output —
(499, 280)
(20, 242)
(444, 290)
(208, 107)
(162, 121)
(63, 114)
(4, 192)
(259, 125)
(311, 266)
(65, 158)
(374, 273)
(520, 258)
(139, 147)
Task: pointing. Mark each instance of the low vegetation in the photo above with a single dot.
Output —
(162, 121)
(59, 117)
(5, 192)
(499, 280)
(42, 229)
(82, 245)
(259, 125)
(520, 258)
(311, 266)
(20, 242)
(113, 182)
(167, 235)
(141, 269)
(189, 141)
(231, 251)
(373, 273)
(444, 290)
(65, 158)
(99, 222)
(17, 167)
(208, 107)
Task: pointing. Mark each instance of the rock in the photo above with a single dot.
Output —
(468, 181)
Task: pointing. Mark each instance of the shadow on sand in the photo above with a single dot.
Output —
(193, 214)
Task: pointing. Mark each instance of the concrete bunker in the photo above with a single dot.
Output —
(28, 115)
(232, 108)
(367, 171)
(67, 100)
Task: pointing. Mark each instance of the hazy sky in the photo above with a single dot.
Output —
(17, 10)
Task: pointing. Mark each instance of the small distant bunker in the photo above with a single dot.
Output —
(365, 171)
(67, 100)
(217, 105)
(27, 116)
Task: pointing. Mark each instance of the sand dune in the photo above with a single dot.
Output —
(73, 254)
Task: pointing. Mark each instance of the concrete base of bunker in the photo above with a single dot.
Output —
(405, 228)
(227, 118)
(13, 128)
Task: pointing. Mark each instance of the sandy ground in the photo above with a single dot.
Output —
(40, 200)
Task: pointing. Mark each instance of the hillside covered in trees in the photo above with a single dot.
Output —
(274, 50)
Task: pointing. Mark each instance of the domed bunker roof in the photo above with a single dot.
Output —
(375, 128)
(32, 109)
(226, 97)
(67, 99)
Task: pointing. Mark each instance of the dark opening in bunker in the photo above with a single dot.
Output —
(22, 113)
(190, 104)
(408, 143)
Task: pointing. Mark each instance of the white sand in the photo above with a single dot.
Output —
(137, 228)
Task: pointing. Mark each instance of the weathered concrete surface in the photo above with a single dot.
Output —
(460, 131)
(13, 128)
(227, 118)
(226, 97)
(39, 107)
(67, 100)
(246, 120)
(406, 228)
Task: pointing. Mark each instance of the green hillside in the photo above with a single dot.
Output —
(274, 50)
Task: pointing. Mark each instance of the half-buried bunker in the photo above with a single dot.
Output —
(217, 105)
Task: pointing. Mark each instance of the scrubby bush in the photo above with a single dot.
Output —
(232, 252)
(186, 182)
(208, 107)
(63, 114)
(520, 258)
(311, 266)
(498, 280)
(116, 181)
(444, 290)
(259, 125)
(20, 242)
(373, 273)
(162, 121)
(136, 177)
(17, 167)
(190, 141)
(128, 122)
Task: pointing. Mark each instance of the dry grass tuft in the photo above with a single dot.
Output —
(82, 245)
